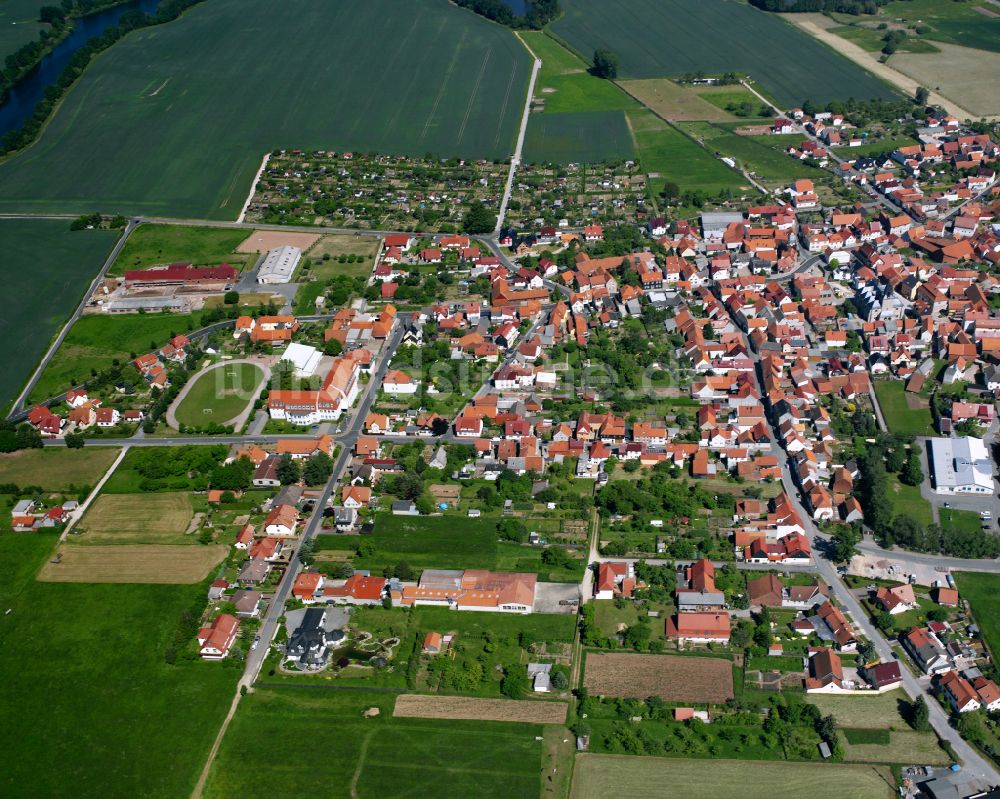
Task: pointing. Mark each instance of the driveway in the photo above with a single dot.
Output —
(549, 595)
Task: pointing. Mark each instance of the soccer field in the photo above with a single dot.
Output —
(221, 394)
(664, 38)
(195, 104)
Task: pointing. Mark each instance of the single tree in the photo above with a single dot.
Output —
(920, 714)
(288, 470)
(479, 219)
(605, 64)
(922, 95)
(75, 440)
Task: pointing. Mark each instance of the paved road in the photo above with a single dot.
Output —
(515, 161)
(276, 608)
(18, 405)
(975, 765)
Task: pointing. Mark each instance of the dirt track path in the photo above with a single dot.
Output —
(869, 61)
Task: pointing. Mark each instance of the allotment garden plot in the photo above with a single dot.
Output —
(476, 709)
(674, 678)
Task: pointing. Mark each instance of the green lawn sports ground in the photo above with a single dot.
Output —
(95, 340)
(664, 38)
(56, 469)
(599, 776)
(220, 394)
(369, 758)
(154, 245)
(195, 104)
(46, 269)
(91, 707)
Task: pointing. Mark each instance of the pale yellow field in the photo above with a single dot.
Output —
(673, 101)
(140, 563)
(137, 519)
(264, 240)
(474, 709)
(965, 76)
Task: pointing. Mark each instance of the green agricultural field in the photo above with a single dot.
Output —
(982, 591)
(585, 137)
(221, 394)
(95, 341)
(666, 38)
(19, 24)
(667, 154)
(97, 673)
(46, 270)
(565, 84)
(195, 104)
(906, 414)
(453, 542)
(137, 519)
(757, 154)
(56, 469)
(956, 23)
(598, 776)
(369, 758)
(153, 245)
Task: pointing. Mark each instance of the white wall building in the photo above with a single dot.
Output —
(960, 466)
(279, 265)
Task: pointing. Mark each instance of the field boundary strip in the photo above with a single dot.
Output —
(467, 708)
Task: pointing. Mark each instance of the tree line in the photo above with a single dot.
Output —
(538, 13)
(841, 6)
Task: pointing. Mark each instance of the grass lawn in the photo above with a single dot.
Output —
(908, 500)
(866, 735)
(56, 469)
(154, 245)
(577, 137)
(982, 591)
(564, 82)
(762, 155)
(905, 414)
(454, 542)
(334, 246)
(47, 268)
(724, 96)
(900, 747)
(452, 84)
(874, 148)
(598, 776)
(668, 154)
(220, 394)
(871, 39)
(370, 757)
(663, 38)
(881, 711)
(94, 341)
(775, 663)
(104, 682)
(967, 521)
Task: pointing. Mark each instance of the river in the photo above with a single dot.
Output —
(23, 98)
